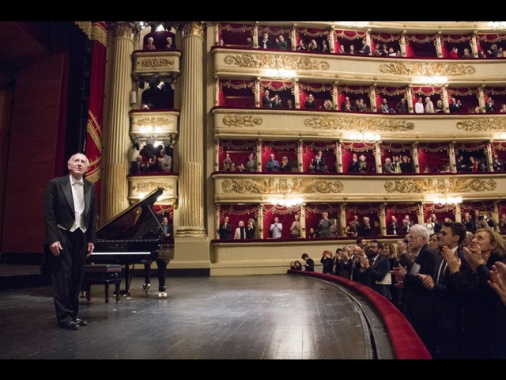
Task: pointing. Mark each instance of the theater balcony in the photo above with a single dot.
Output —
(141, 185)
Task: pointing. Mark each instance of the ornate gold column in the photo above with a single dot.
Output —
(488, 152)
(191, 135)
(409, 98)
(296, 93)
(439, 45)
(481, 98)
(300, 149)
(216, 92)
(377, 157)
(303, 220)
(260, 223)
(342, 218)
(339, 157)
(372, 98)
(453, 161)
(446, 102)
(335, 99)
(416, 163)
(474, 44)
(332, 40)
(256, 92)
(382, 220)
(402, 43)
(191, 240)
(259, 155)
(116, 140)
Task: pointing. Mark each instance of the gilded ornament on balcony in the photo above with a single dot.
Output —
(281, 186)
(440, 185)
(153, 122)
(427, 69)
(242, 120)
(150, 186)
(483, 125)
(272, 61)
(155, 62)
(361, 124)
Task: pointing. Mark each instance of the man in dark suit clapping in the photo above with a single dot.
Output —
(417, 300)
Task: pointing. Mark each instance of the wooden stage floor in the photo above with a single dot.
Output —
(244, 317)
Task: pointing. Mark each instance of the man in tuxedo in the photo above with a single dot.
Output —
(318, 163)
(447, 308)
(417, 300)
(375, 268)
(70, 217)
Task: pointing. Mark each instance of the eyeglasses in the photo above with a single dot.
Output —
(411, 238)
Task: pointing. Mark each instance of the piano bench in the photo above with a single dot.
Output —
(102, 274)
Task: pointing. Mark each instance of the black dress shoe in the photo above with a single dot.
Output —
(69, 325)
(81, 322)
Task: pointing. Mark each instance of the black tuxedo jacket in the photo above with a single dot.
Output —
(319, 166)
(417, 300)
(59, 209)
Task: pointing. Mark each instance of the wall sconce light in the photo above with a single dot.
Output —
(446, 200)
(280, 74)
(365, 137)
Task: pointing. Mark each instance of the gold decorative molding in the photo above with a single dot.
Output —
(153, 121)
(347, 123)
(85, 26)
(440, 185)
(427, 69)
(195, 28)
(123, 29)
(242, 120)
(281, 186)
(273, 61)
(154, 62)
(147, 187)
(99, 32)
(483, 125)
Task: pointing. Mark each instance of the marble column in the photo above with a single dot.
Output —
(116, 138)
(191, 133)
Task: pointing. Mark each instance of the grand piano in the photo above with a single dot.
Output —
(129, 238)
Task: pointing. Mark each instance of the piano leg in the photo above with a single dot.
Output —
(128, 279)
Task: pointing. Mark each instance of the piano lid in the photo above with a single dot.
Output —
(133, 223)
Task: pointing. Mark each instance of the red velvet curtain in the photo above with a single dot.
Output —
(95, 107)
(400, 210)
(314, 214)
(433, 155)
